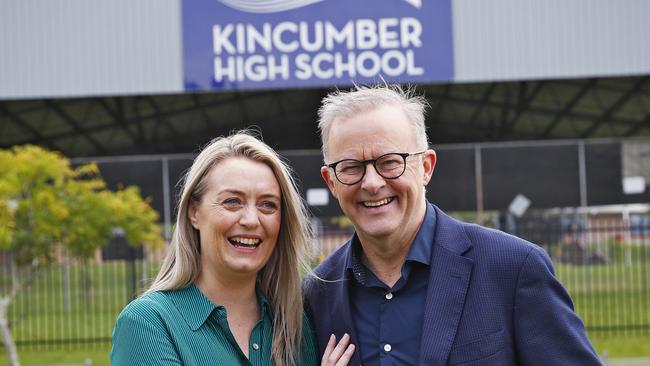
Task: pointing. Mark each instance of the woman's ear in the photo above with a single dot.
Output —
(192, 214)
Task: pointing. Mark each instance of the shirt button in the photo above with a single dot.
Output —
(256, 346)
(389, 295)
(387, 347)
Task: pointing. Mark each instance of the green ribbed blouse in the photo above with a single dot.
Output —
(183, 327)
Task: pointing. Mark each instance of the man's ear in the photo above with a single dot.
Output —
(328, 177)
(192, 214)
(429, 164)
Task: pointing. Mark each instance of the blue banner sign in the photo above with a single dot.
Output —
(252, 44)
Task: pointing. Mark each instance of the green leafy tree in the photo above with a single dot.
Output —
(48, 207)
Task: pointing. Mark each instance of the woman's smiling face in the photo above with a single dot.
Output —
(238, 217)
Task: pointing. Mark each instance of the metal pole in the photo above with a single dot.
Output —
(478, 176)
(166, 198)
(582, 167)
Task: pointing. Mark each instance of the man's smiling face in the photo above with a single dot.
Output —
(379, 207)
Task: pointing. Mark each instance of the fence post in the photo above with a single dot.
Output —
(131, 276)
(66, 281)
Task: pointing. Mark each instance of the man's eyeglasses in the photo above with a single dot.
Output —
(389, 166)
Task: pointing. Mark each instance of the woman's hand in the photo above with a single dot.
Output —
(340, 354)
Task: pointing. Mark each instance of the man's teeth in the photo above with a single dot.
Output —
(245, 241)
(385, 201)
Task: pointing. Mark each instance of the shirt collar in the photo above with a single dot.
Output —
(195, 308)
(423, 243)
(420, 249)
(353, 262)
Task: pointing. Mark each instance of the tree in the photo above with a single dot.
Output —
(47, 206)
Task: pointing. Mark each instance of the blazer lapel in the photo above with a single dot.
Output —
(448, 282)
(342, 310)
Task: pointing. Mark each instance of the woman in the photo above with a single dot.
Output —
(228, 292)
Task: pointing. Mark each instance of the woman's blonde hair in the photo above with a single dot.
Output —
(279, 279)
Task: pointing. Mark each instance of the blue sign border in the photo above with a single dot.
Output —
(361, 41)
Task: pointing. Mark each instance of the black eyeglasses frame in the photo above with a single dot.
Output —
(364, 164)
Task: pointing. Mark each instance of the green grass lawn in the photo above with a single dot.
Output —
(610, 295)
(616, 347)
(97, 294)
(97, 355)
(615, 294)
(622, 347)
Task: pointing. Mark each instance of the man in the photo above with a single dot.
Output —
(414, 286)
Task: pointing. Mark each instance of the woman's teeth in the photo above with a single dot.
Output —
(244, 242)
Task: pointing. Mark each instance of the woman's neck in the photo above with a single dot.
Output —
(238, 296)
(231, 293)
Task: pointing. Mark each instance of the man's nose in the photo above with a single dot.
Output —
(372, 181)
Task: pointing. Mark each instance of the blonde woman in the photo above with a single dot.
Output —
(228, 292)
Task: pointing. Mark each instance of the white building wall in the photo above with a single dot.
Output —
(95, 47)
(532, 39)
(89, 47)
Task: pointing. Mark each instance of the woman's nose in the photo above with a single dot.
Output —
(249, 216)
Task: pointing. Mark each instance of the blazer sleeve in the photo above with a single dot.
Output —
(547, 329)
(140, 341)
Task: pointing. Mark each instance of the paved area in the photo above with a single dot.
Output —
(641, 361)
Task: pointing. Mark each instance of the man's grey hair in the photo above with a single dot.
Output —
(345, 104)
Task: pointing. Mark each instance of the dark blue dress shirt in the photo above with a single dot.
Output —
(388, 320)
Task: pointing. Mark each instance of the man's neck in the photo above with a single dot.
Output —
(385, 257)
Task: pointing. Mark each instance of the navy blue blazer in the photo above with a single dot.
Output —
(492, 299)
